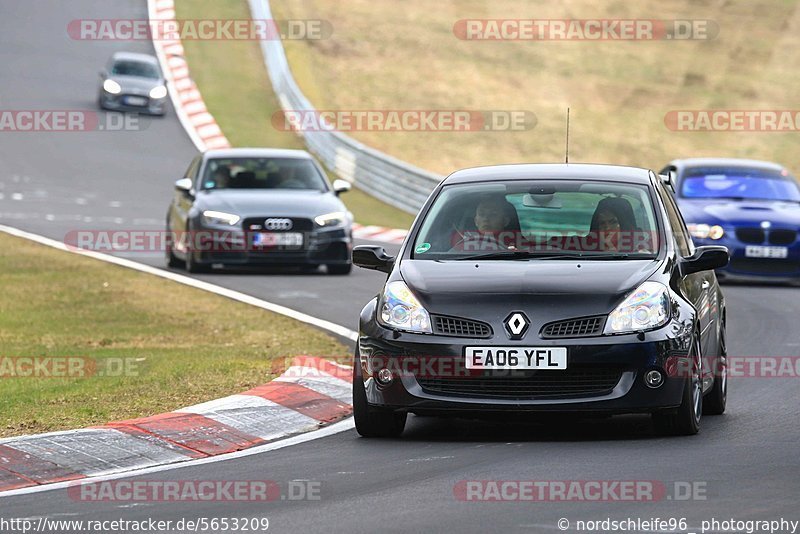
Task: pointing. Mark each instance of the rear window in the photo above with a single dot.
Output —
(739, 183)
(585, 218)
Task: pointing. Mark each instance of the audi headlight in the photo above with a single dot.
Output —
(705, 231)
(158, 92)
(400, 309)
(644, 309)
(337, 218)
(219, 218)
(112, 87)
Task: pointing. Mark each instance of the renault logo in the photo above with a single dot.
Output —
(516, 325)
(278, 224)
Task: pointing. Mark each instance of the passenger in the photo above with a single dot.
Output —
(221, 177)
(613, 226)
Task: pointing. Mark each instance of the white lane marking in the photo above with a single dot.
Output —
(16, 196)
(191, 282)
(336, 428)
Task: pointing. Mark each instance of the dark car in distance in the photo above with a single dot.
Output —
(133, 82)
(543, 288)
(751, 207)
(258, 206)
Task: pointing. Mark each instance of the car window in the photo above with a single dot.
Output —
(571, 217)
(262, 173)
(191, 172)
(739, 183)
(678, 229)
(142, 69)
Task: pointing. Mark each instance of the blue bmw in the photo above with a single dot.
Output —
(751, 207)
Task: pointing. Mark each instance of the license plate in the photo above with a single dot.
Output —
(516, 357)
(135, 100)
(766, 252)
(274, 239)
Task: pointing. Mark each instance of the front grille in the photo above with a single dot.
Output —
(299, 224)
(528, 385)
(583, 327)
(775, 266)
(750, 235)
(454, 326)
(782, 237)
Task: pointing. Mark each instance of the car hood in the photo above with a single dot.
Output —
(741, 212)
(269, 202)
(548, 289)
(136, 85)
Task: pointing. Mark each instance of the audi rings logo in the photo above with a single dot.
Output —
(278, 224)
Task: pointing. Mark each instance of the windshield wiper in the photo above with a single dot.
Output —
(519, 255)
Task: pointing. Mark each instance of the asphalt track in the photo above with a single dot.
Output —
(51, 183)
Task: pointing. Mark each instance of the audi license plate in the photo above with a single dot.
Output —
(135, 100)
(516, 357)
(275, 239)
(766, 252)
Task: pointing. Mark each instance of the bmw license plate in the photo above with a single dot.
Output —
(135, 100)
(275, 239)
(766, 252)
(516, 357)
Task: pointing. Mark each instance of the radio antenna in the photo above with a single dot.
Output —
(566, 159)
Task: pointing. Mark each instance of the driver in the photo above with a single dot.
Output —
(495, 223)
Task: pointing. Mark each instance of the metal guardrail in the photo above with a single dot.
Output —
(393, 181)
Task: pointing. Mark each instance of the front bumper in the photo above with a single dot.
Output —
(604, 374)
(151, 106)
(744, 268)
(320, 247)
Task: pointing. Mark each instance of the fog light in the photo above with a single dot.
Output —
(653, 379)
(385, 377)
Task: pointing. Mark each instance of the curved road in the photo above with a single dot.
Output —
(746, 461)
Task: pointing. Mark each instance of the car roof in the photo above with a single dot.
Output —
(256, 153)
(561, 171)
(725, 162)
(134, 56)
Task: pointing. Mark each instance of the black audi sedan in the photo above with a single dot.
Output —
(258, 206)
(544, 288)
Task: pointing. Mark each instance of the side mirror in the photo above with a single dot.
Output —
(669, 179)
(705, 258)
(184, 185)
(373, 257)
(341, 186)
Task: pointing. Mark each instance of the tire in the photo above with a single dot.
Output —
(191, 264)
(340, 269)
(171, 261)
(685, 420)
(371, 421)
(715, 400)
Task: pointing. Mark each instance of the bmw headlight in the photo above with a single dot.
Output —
(705, 231)
(400, 309)
(112, 87)
(644, 309)
(158, 92)
(337, 218)
(219, 218)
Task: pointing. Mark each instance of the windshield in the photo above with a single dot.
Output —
(739, 183)
(135, 68)
(544, 218)
(262, 173)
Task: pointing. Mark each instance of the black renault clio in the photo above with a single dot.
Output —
(543, 288)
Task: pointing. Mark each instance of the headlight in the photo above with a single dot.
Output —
(644, 309)
(400, 309)
(112, 87)
(158, 92)
(219, 218)
(704, 231)
(337, 218)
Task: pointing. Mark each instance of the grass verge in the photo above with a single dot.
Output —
(234, 84)
(163, 345)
